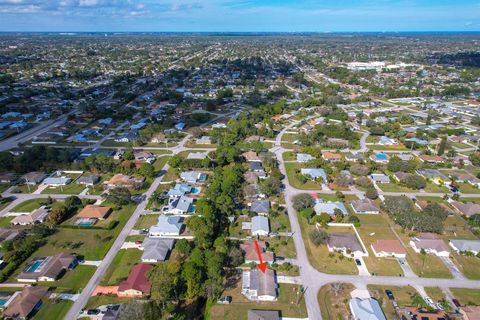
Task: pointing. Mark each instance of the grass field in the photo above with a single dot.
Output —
(282, 246)
(146, 221)
(295, 182)
(73, 281)
(29, 205)
(320, 257)
(290, 303)
(372, 228)
(435, 293)
(332, 301)
(431, 267)
(53, 309)
(403, 296)
(160, 163)
(72, 188)
(121, 266)
(467, 296)
(469, 266)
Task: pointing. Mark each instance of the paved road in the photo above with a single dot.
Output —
(29, 134)
(313, 280)
(107, 260)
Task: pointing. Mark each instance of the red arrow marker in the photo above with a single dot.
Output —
(262, 265)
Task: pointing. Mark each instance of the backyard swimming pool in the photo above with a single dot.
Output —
(34, 266)
(195, 190)
(381, 156)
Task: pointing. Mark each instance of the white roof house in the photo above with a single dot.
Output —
(57, 181)
(303, 157)
(366, 309)
(260, 226)
(314, 173)
(180, 205)
(472, 246)
(430, 244)
(329, 207)
(193, 176)
(166, 226)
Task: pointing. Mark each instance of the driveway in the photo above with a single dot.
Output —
(457, 274)
(407, 271)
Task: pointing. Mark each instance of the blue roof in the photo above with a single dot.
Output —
(180, 126)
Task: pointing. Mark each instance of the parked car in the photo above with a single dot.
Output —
(358, 262)
(440, 307)
(92, 312)
(456, 303)
(389, 294)
(225, 300)
(429, 301)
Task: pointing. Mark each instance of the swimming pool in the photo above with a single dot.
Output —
(192, 208)
(2, 302)
(86, 223)
(34, 266)
(381, 156)
(195, 190)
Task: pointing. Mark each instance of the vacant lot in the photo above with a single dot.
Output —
(121, 266)
(467, 296)
(403, 296)
(333, 300)
(290, 303)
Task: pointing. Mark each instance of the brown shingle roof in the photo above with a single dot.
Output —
(93, 211)
(23, 304)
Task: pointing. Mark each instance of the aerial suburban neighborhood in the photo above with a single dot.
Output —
(244, 176)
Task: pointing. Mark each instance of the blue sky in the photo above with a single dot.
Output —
(240, 15)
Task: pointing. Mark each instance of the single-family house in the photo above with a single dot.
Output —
(92, 211)
(256, 166)
(431, 159)
(472, 246)
(260, 226)
(127, 181)
(466, 209)
(128, 137)
(137, 284)
(401, 176)
(34, 177)
(197, 155)
(314, 173)
(330, 207)
(386, 141)
(166, 226)
(303, 157)
(57, 181)
(379, 178)
(364, 206)
(156, 250)
(181, 205)
(204, 140)
(251, 255)
(366, 309)
(259, 286)
(11, 234)
(88, 181)
(47, 268)
(388, 248)
(144, 156)
(179, 190)
(469, 178)
(433, 175)
(36, 216)
(193, 176)
(251, 156)
(431, 244)
(260, 207)
(330, 156)
(25, 303)
(354, 157)
(347, 243)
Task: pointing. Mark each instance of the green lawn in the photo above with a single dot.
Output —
(282, 246)
(469, 266)
(101, 300)
(146, 221)
(468, 188)
(320, 257)
(333, 301)
(171, 175)
(289, 156)
(467, 296)
(23, 188)
(280, 223)
(432, 267)
(403, 296)
(394, 187)
(160, 163)
(435, 293)
(29, 205)
(290, 302)
(295, 182)
(71, 188)
(373, 228)
(5, 221)
(121, 266)
(53, 309)
(73, 281)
